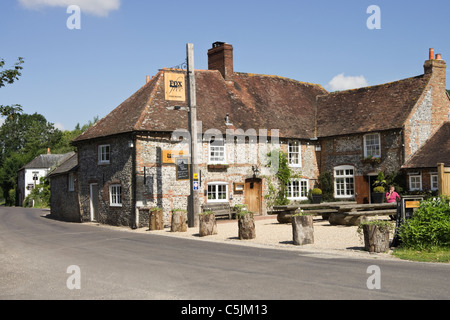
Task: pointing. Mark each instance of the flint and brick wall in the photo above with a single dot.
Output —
(118, 171)
(64, 203)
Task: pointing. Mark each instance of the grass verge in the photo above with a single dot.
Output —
(432, 255)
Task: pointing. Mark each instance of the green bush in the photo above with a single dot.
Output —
(316, 191)
(378, 189)
(326, 183)
(429, 227)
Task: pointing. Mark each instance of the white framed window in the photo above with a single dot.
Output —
(115, 195)
(344, 182)
(372, 145)
(434, 181)
(297, 189)
(104, 154)
(294, 153)
(217, 192)
(415, 181)
(71, 182)
(217, 153)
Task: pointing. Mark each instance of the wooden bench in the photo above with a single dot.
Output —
(219, 209)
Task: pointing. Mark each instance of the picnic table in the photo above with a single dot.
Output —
(338, 213)
(284, 213)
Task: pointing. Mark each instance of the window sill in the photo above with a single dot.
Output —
(115, 205)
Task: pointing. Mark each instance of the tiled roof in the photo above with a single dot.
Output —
(46, 161)
(435, 150)
(251, 101)
(375, 108)
(70, 164)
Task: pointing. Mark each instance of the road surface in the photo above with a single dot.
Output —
(41, 258)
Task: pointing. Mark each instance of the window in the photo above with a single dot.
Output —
(115, 195)
(218, 192)
(217, 151)
(297, 190)
(294, 153)
(344, 182)
(104, 152)
(372, 145)
(71, 182)
(434, 181)
(415, 181)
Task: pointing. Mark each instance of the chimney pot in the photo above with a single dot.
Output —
(431, 54)
(438, 56)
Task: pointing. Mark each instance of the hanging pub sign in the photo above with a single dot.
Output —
(175, 86)
(182, 165)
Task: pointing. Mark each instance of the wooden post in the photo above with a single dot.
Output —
(156, 219)
(302, 230)
(375, 240)
(178, 223)
(207, 225)
(194, 203)
(246, 224)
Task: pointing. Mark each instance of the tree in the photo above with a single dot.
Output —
(8, 76)
(22, 138)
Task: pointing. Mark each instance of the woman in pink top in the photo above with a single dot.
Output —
(392, 196)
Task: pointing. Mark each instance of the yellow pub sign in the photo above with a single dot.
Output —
(175, 86)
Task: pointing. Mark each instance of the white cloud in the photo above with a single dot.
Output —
(96, 7)
(59, 126)
(343, 82)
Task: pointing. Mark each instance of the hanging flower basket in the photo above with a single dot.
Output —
(218, 166)
(371, 160)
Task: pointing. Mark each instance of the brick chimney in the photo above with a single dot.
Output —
(436, 66)
(220, 57)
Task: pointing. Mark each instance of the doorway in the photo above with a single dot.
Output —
(94, 201)
(252, 192)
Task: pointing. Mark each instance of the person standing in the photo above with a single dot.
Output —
(392, 196)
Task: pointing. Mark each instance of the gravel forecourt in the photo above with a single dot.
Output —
(329, 241)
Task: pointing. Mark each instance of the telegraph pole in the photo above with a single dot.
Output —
(194, 179)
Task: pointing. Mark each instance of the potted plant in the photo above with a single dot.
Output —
(376, 234)
(246, 224)
(302, 229)
(378, 194)
(238, 208)
(316, 195)
(207, 224)
(379, 188)
(179, 220)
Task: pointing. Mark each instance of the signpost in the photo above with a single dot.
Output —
(194, 200)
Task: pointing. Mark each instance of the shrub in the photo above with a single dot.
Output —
(429, 227)
(316, 191)
(378, 189)
(326, 183)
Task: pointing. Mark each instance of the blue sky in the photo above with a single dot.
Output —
(71, 76)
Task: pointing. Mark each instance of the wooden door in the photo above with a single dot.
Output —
(94, 201)
(443, 180)
(252, 193)
(362, 189)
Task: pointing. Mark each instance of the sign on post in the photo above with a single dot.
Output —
(175, 84)
(182, 165)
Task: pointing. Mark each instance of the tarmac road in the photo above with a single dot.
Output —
(36, 252)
